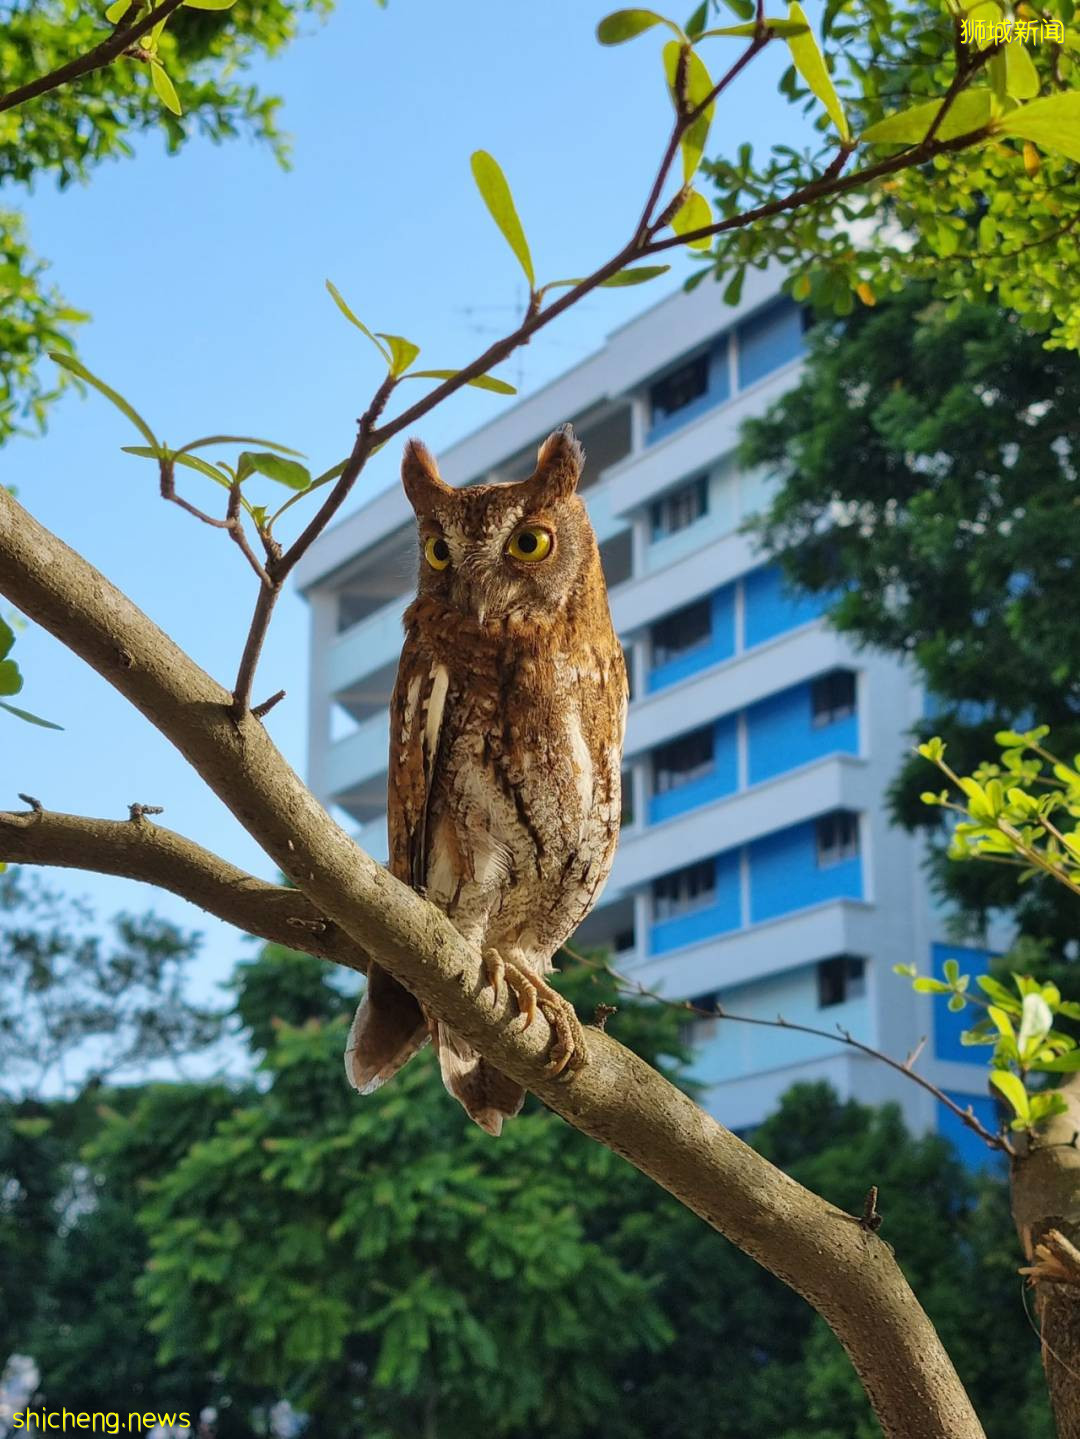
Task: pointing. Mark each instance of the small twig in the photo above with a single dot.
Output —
(140, 811)
(260, 711)
(871, 1216)
(35, 804)
(602, 1013)
(839, 1036)
(102, 55)
(914, 1055)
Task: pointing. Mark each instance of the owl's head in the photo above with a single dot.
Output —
(496, 550)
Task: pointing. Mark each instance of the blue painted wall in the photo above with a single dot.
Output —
(723, 779)
(719, 390)
(781, 734)
(948, 1026)
(721, 916)
(973, 1152)
(720, 646)
(771, 609)
(784, 875)
(768, 340)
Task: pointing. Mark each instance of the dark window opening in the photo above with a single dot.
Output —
(626, 787)
(679, 388)
(832, 698)
(682, 631)
(623, 941)
(700, 1025)
(683, 760)
(837, 837)
(839, 979)
(680, 509)
(685, 889)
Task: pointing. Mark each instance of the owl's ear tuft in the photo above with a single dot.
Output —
(559, 462)
(420, 476)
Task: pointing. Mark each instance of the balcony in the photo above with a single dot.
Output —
(356, 766)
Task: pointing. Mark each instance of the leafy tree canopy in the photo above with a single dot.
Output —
(927, 468)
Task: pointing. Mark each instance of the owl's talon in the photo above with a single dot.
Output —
(568, 1038)
(494, 972)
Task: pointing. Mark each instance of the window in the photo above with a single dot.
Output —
(684, 630)
(623, 941)
(628, 661)
(832, 698)
(701, 1026)
(682, 761)
(837, 838)
(679, 388)
(617, 559)
(685, 889)
(841, 978)
(627, 791)
(680, 508)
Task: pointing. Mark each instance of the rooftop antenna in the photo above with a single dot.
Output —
(482, 319)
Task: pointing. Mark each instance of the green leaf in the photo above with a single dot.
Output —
(698, 85)
(1001, 1020)
(637, 275)
(932, 749)
(166, 90)
(998, 993)
(495, 193)
(810, 64)
(480, 382)
(969, 111)
(733, 289)
(1053, 123)
(274, 467)
(925, 985)
(28, 717)
(623, 25)
(31, 1128)
(743, 8)
(117, 10)
(1021, 77)
(1014, 1092)
(335, 295)
(951, 970)
(189, 462)
(237, 440)
(1064, 1064)
(698, 20)
(784, 29)
(68, 362)
(402, 352)
(695, 214)
(956, 1003)
(209, 4)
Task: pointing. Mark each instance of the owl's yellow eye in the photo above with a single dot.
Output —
(530, 543)
(436, 552)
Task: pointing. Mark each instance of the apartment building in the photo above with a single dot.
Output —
(756, 869)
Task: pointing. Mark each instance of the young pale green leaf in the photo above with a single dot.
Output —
(1002, 997)
(208, 440)
(495, 192)
(1063, 1064)
(1021, 77)
(907, 970)
(68, 362)
(810, 64)
(1001, 1020)
(784, 29)
(969, 111)
(28, 717)
(952, 970)
(698, 87)
(274, 467)
(695, 214)
(925, 985)
(335, 295)
(164, 88)
(956, 1003)
(977, 1035)
(209, 4)
(117, 10)
(636, 275)
(480, 382)
(932, 749)
(190, 462)
(1044, 1105)
(623, 25)
(1035, 1024)
(402, 352)
(1011, 1087)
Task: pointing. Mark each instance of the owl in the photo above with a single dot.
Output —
(506, 731)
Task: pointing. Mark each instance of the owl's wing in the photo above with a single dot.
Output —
(390, 1026)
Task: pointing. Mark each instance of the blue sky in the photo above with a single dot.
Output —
(204, 275)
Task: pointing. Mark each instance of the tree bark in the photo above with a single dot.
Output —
(1046, 1205)
(849, 1275)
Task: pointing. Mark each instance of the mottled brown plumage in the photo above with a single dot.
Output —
(506, 730)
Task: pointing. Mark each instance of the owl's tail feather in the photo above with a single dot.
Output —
(387, 1030)
(487, 1096)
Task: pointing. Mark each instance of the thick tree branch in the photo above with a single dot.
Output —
(101, 55)
(850, 1277)
(138, 849)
